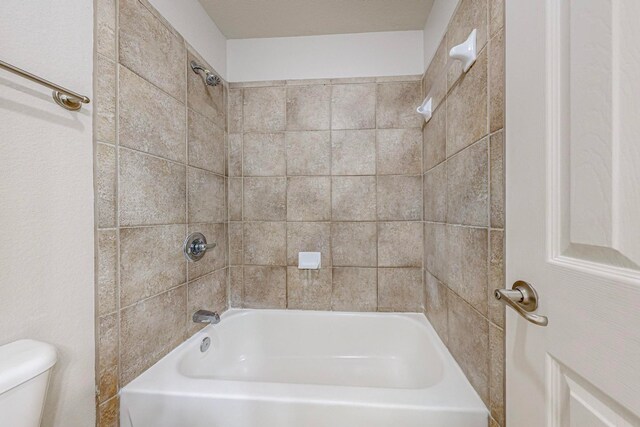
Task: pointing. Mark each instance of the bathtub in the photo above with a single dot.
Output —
(284, 368)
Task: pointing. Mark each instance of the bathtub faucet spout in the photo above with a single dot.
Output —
(205, 316)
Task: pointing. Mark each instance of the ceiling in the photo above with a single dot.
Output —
(239, 19)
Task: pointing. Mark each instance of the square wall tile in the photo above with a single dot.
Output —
(435, 250)
(106, 28)
(107, 357)
(470, 14)
(308, 198)
(400, 244)
(235, 154)
(107, 260)
(234, 120)
(207, 197)
(435, 138)
(264, 154)
(105, 185)
(354, 289)
(204, 99)
(396, 105)
(496, 82)
(105, 100)
(399, 151)
(265, 243)
(353, 106)
(400, 289)
(308, 153)
(353, 152)
(468, 187)
(158, 267)
(308, 107)
(235, 243)
(206, 144)
(353, 198)
(436, 305)
(152, 190)
(309, 289)
(264, 109)
(354, 244)
(236, 287)
(435, 194)
(496, 184)
(400, 198)
(265, 199)
(206, 293)
(149, 119)
(235, 199)
(265, 287)
(309, 237)
(216, 258)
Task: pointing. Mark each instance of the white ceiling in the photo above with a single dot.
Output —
(240, 19)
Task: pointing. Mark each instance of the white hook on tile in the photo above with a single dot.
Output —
(425, 109)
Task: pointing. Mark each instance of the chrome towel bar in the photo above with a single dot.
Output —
(64, 97)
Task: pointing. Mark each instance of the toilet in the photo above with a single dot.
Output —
(25, 366)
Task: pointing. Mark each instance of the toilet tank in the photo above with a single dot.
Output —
(24, 375)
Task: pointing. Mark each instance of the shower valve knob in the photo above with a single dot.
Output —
(195, 246)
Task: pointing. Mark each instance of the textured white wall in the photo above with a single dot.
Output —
(436, 26)
(46, 198)
(392, 53)
(189, 18)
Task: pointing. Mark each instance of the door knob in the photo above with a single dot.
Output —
(523, 299)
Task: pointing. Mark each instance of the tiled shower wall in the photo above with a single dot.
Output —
(464, 201)
(160, 173)
(333, 166)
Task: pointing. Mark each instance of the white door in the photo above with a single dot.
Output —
(573, 211)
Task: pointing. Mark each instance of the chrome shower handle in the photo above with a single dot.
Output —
(195, 246)
(523, 299)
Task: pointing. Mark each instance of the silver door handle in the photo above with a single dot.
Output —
(523, 299)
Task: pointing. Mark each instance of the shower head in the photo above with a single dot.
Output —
(208, 77)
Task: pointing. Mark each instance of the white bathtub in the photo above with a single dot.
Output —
(278, 368)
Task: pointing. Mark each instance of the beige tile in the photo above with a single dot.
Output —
(468, 187)
(467, 108)
(399, 151)
(353, 198)
(235, 99)
(107, 356)
(309, 107)
(308, 153)
(470, 14)
(308, 82)
(352, 80)
(353, 106)
(496, 82)
(435, 194)
(206, 144)
(149, 119)
(207, 196)
(206, 293)
(105, 100)
(435, 138)
(309, 198)
(435, 250)
(264, 109)
(262, 83)
(399, 198)
(206, 100)
(496, 16)
(265, 243)
(496, 184)
(150, 49)
(309, 237)
(235, 154)
(435, 82)
(400, 244)
(400, 289)
(493, 423)
(496, 276)
(353, 152)
(215, 258)
(105, 185)
(162, 317)
(151, 261)
(264, 154)
(107, 260)
(496, 376)
(152, 190)
(309, 289)
(109, 413)
(354, 289)
(105, 15)
(436, 305)
(396, 105)
(235, 199)
(235, 243)
(467, 264)
(405, 78)
(265, 287)
(354, 244)
(264, 199)
(469, 343)
(236, 290)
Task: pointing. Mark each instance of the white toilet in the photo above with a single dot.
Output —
(25, 366)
